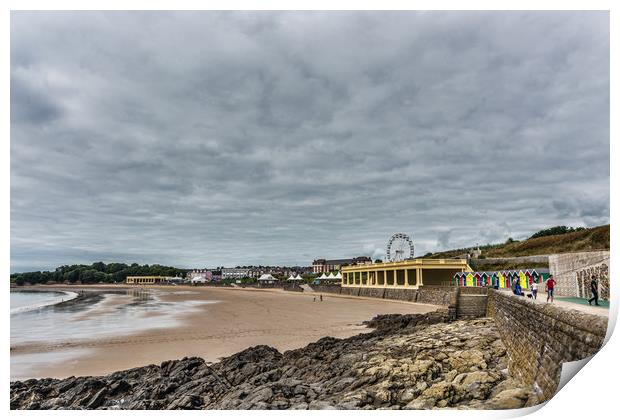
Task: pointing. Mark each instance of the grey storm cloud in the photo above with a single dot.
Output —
(222, 138)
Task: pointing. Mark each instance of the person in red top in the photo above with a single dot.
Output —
(550, 286)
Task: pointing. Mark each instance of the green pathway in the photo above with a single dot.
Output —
(583, 301)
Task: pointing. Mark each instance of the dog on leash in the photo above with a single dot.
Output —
(529, 296)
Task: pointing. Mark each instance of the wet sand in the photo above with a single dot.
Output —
(240, 318)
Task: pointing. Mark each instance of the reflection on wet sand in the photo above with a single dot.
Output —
(40, 336)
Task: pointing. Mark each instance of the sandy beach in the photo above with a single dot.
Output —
(222, 322)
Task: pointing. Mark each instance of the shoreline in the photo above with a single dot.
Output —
(241, 318)
(70, 295)
(416, 361)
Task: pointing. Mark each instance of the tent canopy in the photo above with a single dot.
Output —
(266, 277)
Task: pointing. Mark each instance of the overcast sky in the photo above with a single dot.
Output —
(206, 139)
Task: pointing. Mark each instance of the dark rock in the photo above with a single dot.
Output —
(409, 361)
(97, 399)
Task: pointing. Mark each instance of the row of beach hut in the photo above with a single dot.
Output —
(504, 279)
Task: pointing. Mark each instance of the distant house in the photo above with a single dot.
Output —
(198, 280)
(325, 266)
(204, 273)
(235, 273)
(216, 275)
(475, 253)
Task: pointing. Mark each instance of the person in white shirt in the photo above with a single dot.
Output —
(534, 289)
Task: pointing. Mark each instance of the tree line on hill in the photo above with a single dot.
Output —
(556, 230)
(98, 272)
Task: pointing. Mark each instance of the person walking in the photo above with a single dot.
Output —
(594, 289)
(534, 290)
(321, 298)
(550, 286)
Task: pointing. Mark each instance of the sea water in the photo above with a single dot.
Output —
(31, 300)
(41, 326)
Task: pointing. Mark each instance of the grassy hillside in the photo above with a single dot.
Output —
(586, 240)
(591, 239)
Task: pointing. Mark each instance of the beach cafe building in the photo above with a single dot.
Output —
(404, 274)
(145, 279)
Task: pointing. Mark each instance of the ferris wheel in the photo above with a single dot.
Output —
(399, 247)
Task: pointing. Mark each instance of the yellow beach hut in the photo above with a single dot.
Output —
(470, 280)
(502, 279)
(523, 279)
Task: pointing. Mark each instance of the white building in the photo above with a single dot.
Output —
(235, 273)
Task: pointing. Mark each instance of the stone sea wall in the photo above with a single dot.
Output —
(471, 302)
(326, 288)
(540, 337)
(434, 295)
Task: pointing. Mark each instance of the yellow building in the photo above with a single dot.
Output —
(144, 279)
(404, 274)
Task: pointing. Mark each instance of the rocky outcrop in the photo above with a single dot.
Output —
(396, 323)
(407, 362)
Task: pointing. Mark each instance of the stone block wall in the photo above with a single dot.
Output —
(468, 290)
(326, 288)
(372, 293)
(434, 295)
(471, 306)
(569, 268)
(351, 291)
(408, 295)
(540, 337)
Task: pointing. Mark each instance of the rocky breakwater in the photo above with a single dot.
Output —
(407, 362)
